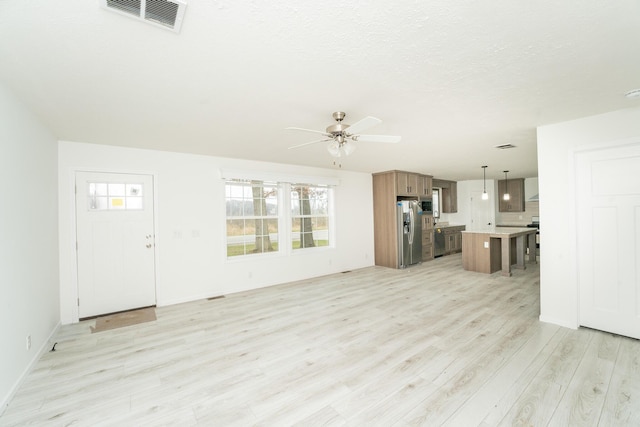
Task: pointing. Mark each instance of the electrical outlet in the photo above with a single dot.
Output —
(486, 245)
(28, 342)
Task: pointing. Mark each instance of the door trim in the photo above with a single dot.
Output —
(73, 292)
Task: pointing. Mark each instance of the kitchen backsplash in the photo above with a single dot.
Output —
(519, 218)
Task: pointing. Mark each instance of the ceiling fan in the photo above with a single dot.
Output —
(343, 135)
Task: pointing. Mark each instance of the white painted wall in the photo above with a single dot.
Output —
(190, 224)
(28, 241)
(556, 147)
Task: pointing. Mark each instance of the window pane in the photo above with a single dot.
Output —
(97, 203)
(235, 206)
(248, 205)
(116, 203)
(235, 237)
(295, 207)
(100, 188)
(320, 242)
(134, 203)
(273, 227)
(235, 191)
(260, 227)
(272, 205)
(295, 225)
(134, 190)
(310, 216)
(116, 189)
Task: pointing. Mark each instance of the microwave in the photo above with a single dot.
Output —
(427, 206)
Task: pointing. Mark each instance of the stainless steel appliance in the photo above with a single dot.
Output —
(426, 204)
(409, 220)
(535, 223)
(438, 242)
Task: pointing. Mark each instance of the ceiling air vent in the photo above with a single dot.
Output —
(505, 146)
(163, 13)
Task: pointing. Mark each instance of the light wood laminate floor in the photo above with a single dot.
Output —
(430, 345)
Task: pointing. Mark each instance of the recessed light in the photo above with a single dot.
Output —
(633, 93)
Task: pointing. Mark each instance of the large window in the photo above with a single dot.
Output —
(252, 217)
(255, 224)
(309, 216)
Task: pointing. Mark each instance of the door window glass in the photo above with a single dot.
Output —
(114, 196)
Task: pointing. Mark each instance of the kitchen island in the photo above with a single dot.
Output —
(496, 248)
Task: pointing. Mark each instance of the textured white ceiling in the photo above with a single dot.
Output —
(453, 78)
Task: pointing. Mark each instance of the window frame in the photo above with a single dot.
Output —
(250, 184)
(328, 216)
(284, 220)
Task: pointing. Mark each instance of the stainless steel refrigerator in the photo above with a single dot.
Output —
(409, 232)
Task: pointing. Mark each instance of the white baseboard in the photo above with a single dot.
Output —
(560, 322)
(165, 303)
(46, 346)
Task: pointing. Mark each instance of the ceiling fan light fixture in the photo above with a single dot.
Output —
(349, 147)
(341, 136)
(334, 149)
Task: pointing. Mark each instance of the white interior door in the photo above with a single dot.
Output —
(608, 227)
(480, 211)
(115, 242)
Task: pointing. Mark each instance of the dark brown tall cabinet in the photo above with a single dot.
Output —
(515, 188)
(387, 188)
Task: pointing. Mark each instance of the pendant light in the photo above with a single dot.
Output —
(506, 187)
(485, 196)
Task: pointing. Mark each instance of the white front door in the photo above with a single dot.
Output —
(608, 228)
(115, 242)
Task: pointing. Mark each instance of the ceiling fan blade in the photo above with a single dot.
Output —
(378, 138)
(309, 143)
(309, 130)
(363, 124)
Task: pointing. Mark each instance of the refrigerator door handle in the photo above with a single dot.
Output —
(411, 226)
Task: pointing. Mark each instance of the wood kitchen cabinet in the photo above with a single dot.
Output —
(450, 198)
(413, 184)
(427, 238)
(448, 194)
(425, 186)
(515, 188)
(387, 188)
(453, 239)
(407, 184)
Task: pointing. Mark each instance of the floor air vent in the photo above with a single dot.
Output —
(163, 13)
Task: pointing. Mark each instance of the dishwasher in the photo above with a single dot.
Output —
(438, 242)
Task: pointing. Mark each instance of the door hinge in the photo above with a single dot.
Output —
(78, 302)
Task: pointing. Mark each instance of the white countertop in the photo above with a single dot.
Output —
(502, 231)
(446, 225)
